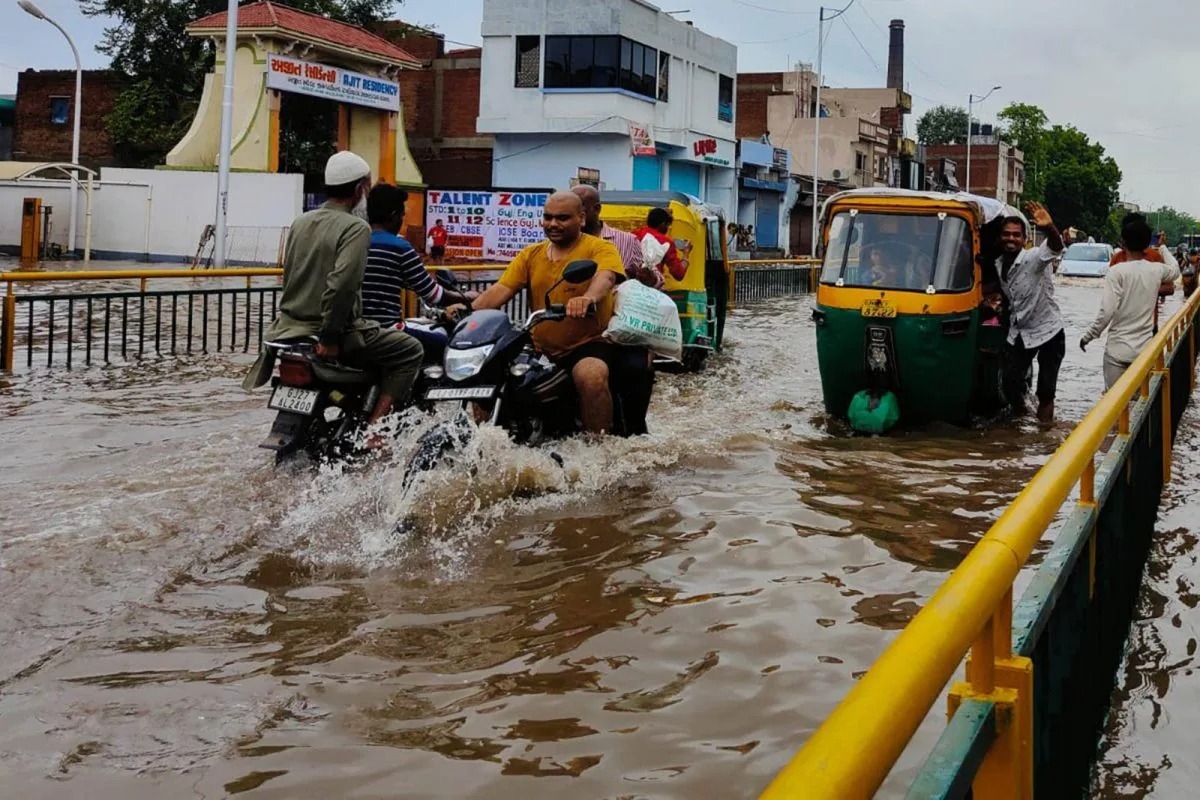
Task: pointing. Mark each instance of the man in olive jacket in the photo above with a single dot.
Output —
(323, 268)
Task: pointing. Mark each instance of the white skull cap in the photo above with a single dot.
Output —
(345, 167)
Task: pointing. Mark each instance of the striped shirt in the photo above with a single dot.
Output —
(392, 266)
(627, 245)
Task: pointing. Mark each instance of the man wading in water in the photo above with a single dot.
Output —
(1036, 324)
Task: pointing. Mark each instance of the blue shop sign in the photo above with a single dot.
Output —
(766, 186)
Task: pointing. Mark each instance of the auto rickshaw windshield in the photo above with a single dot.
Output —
(899, 251)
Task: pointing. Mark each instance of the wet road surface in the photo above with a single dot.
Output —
(667, 617)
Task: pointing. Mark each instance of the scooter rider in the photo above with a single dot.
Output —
(575, 344)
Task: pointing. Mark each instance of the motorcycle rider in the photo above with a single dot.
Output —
(576, 344)
(323, 266)
(393, 265)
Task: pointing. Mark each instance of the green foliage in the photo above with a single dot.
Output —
(1176, 223)
(942, 125)
(1025, 126)
(165, 67)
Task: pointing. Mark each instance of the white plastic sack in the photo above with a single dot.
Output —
(653, 251)
(645, 317)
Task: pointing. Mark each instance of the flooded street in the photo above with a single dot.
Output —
(667, 617)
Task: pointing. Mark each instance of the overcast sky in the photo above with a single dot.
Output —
(1139, 97)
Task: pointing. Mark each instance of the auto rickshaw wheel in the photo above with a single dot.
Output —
(694, 358)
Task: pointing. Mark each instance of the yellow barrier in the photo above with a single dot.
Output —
(851, 753)
(806, 261)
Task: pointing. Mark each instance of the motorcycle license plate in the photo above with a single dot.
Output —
(465, 393)
(878, 309)
(297, 401)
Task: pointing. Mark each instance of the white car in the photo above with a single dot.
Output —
(1086, 260)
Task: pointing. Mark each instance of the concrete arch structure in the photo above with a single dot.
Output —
(280, 49)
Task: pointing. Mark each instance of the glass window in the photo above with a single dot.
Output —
(605, 62)
(904, 252)
(725, 99)
(582, 48)
(558, 58)
(626, 79)
(664, 74)
(714, 234)
(529, 51)
(1087, 252)
(650, 72)
(60, 110)
(635, 69)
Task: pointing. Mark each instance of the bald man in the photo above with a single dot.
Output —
(576, 344)
(626, 243)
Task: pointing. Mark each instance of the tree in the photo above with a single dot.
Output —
(943, 125)
(165, 67)
(1081, 183)
(1176, 223)
(1025, 126)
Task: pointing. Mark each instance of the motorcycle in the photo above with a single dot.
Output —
(490, 361)
(323, 406)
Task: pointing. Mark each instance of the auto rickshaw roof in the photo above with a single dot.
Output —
(986, 208)
(659, 200)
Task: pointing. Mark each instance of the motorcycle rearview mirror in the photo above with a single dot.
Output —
(580, 271)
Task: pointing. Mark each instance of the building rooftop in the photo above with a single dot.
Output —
(276, 18)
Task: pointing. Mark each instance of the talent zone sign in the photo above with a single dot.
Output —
(332, 83)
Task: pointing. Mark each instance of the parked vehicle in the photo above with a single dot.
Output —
(490, 363)
(903, 329)
(698, 230)
(1086, 261)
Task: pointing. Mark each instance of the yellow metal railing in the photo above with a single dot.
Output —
(8, 311)
(851, 753)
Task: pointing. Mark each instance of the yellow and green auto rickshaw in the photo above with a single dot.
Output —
(703, 294)
(907, 313)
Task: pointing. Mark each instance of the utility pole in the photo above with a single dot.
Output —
(817, 120)
(226, 136)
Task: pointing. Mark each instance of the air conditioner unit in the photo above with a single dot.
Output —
(837, 174)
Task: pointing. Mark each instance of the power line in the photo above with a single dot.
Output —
(862, 46)
(559, 137)
(784, 39)
(772, 10)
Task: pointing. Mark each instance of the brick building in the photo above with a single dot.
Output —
(997, 167)
(441, 104)
(44, 122)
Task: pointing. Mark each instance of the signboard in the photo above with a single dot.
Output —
(587, 176)
(332, 83)
(781, 159)
(710, 150)
(643, 142)
(493, 225)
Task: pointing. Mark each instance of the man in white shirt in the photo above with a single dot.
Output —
(1130, 300)
(1035, 323)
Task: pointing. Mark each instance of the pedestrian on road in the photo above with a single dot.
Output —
(1130, 303)
(1036, 327)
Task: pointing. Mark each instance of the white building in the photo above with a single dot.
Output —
(567, 84)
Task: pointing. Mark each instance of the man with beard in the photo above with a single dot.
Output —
(576, 344)
(1036, 327)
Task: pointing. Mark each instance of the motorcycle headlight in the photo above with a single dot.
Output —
(463, 364)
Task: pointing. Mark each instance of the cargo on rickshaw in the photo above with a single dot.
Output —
(702, 295)
(909, 324)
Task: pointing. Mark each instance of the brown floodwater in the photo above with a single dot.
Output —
(667, 617)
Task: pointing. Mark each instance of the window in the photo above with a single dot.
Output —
(892, 251)
(529, 50)
(60, 110)
(602, 62)
(860, 162)
(725, 99)
(664, 73)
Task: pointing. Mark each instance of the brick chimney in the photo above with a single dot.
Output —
(895, 72)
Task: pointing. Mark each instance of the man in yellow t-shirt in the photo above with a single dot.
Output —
(576, 343)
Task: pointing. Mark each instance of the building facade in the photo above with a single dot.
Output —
(615, 87)
(997, 167)
(764, 184)
(44, 121)
(441, 103)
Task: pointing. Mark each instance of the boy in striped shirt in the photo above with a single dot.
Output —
(393, 265)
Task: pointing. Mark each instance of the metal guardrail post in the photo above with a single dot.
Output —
(995, 675)
(1161, 369)
(8, 330)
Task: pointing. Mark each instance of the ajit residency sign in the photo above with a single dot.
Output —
(487, 224)
(332, 83)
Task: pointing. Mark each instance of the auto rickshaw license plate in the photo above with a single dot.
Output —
(878, 309)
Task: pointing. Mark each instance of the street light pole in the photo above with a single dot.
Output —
(971, 101)
(226, 136)
(29, 8)
(817, 119)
